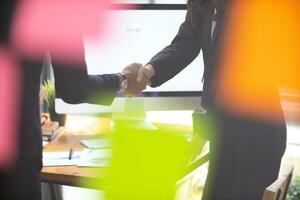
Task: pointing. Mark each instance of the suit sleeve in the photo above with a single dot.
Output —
(180, 53)
(74, 85)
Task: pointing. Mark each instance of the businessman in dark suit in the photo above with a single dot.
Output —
(245, 152)
(73, 85)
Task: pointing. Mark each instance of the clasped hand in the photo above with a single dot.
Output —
(137, 78)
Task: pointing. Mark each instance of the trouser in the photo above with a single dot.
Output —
(22, 181)
(245, 157)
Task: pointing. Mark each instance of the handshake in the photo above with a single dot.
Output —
(135, 78)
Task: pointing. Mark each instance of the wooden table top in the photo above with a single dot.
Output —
(68, 138)
(67, 175)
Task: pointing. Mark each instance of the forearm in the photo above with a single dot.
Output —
(74, 85)
(180, 53)
(170, 61)
(102, 89)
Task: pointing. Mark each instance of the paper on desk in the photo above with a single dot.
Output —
(60, 158)
(95, 158)
(97, 143)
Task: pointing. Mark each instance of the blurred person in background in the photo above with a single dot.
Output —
(245, 151)
(22, 180)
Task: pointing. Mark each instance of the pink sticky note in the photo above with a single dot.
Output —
(9, 108)
(58, 26)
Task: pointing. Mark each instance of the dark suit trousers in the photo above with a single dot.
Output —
(245, 157)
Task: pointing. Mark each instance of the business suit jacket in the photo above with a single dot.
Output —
(72, 84)
(245, 152)
(186, 46)
(22, 180)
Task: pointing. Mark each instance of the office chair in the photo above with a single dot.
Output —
(278, 189)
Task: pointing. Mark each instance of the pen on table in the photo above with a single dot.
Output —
(70, 154)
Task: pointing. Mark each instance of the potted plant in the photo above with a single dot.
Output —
(294, 190)
(48, 94)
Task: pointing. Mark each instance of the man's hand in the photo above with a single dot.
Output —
(145, 74)
(133, 87)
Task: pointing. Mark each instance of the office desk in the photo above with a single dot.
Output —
(73, 175)
(67, 175)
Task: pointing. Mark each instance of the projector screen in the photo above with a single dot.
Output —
(136, 36)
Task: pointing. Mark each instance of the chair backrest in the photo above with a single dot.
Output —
(278, 189)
